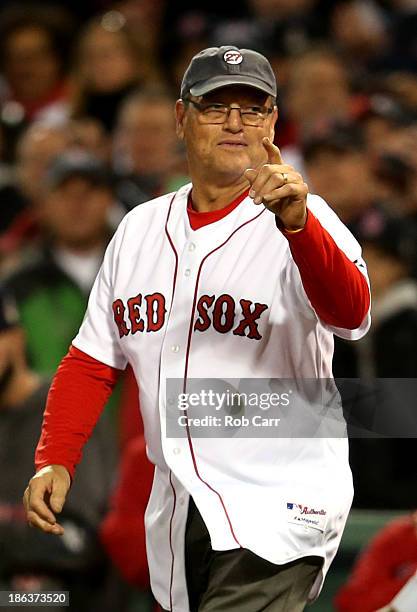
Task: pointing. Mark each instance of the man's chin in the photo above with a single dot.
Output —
(233, 163)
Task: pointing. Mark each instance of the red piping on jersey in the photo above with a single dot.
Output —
(186, 371)
(170, 472)
(170, 539)
(175, 252)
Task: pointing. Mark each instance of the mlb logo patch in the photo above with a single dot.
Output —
(300, 514)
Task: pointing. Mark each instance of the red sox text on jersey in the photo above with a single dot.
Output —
(147, 313)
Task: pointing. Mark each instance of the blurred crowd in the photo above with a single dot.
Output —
(87, 132)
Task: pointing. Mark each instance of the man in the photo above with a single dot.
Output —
(206, 283)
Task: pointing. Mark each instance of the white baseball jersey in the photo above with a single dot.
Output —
(225, 301)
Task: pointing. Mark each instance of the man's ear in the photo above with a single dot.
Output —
(273, 122)
(179, 118)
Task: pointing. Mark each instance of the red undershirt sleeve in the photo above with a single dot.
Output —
(336, 288)
(77, 396)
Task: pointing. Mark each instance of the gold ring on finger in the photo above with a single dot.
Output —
(284, 177)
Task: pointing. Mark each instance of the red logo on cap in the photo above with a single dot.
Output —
(233, 57)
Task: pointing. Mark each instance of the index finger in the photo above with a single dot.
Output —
(274, 154)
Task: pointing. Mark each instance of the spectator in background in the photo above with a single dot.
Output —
(75, 562)
(22, 193)
(108, 67)
(382, 569)
(51, 291)
(390, 247)
(318, 90)
(398, 164)
(339, 169)
(89, 134)
(144, 20)
(20, 197)
(148, 157)
(388, 122)
(39, 145)
(380, 118)
(359, 30)
(34, 43)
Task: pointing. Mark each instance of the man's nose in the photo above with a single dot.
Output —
(233, 121)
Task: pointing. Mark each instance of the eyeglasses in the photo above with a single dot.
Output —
(212, 112)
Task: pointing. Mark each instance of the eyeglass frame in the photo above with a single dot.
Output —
(267, 110)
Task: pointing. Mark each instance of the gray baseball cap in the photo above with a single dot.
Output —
(217, 67)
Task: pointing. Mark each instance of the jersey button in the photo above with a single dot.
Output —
(191, 246)
(176, 451)
(187, 272)
(175, 348)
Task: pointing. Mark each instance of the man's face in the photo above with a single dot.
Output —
(105, 61)
(75, 213)
(147, 132)
(223, 151)
(336, 176)
(32, 66)
(36, 150)
(318, 89)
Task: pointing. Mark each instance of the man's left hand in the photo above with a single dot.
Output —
(280, 188)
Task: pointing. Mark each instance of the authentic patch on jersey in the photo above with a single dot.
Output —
(299, 514)
(233, 57)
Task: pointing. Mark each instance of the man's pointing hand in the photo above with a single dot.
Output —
(280, 188)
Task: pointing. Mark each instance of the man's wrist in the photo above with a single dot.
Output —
(290, 230)
(297, 228)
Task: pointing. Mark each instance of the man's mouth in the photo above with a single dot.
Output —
(232, 143)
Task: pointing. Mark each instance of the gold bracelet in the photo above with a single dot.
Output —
(300, 229)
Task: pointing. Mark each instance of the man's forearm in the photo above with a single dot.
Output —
(337, 290)
(76, 399)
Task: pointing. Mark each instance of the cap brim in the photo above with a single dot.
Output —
(204, 87)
